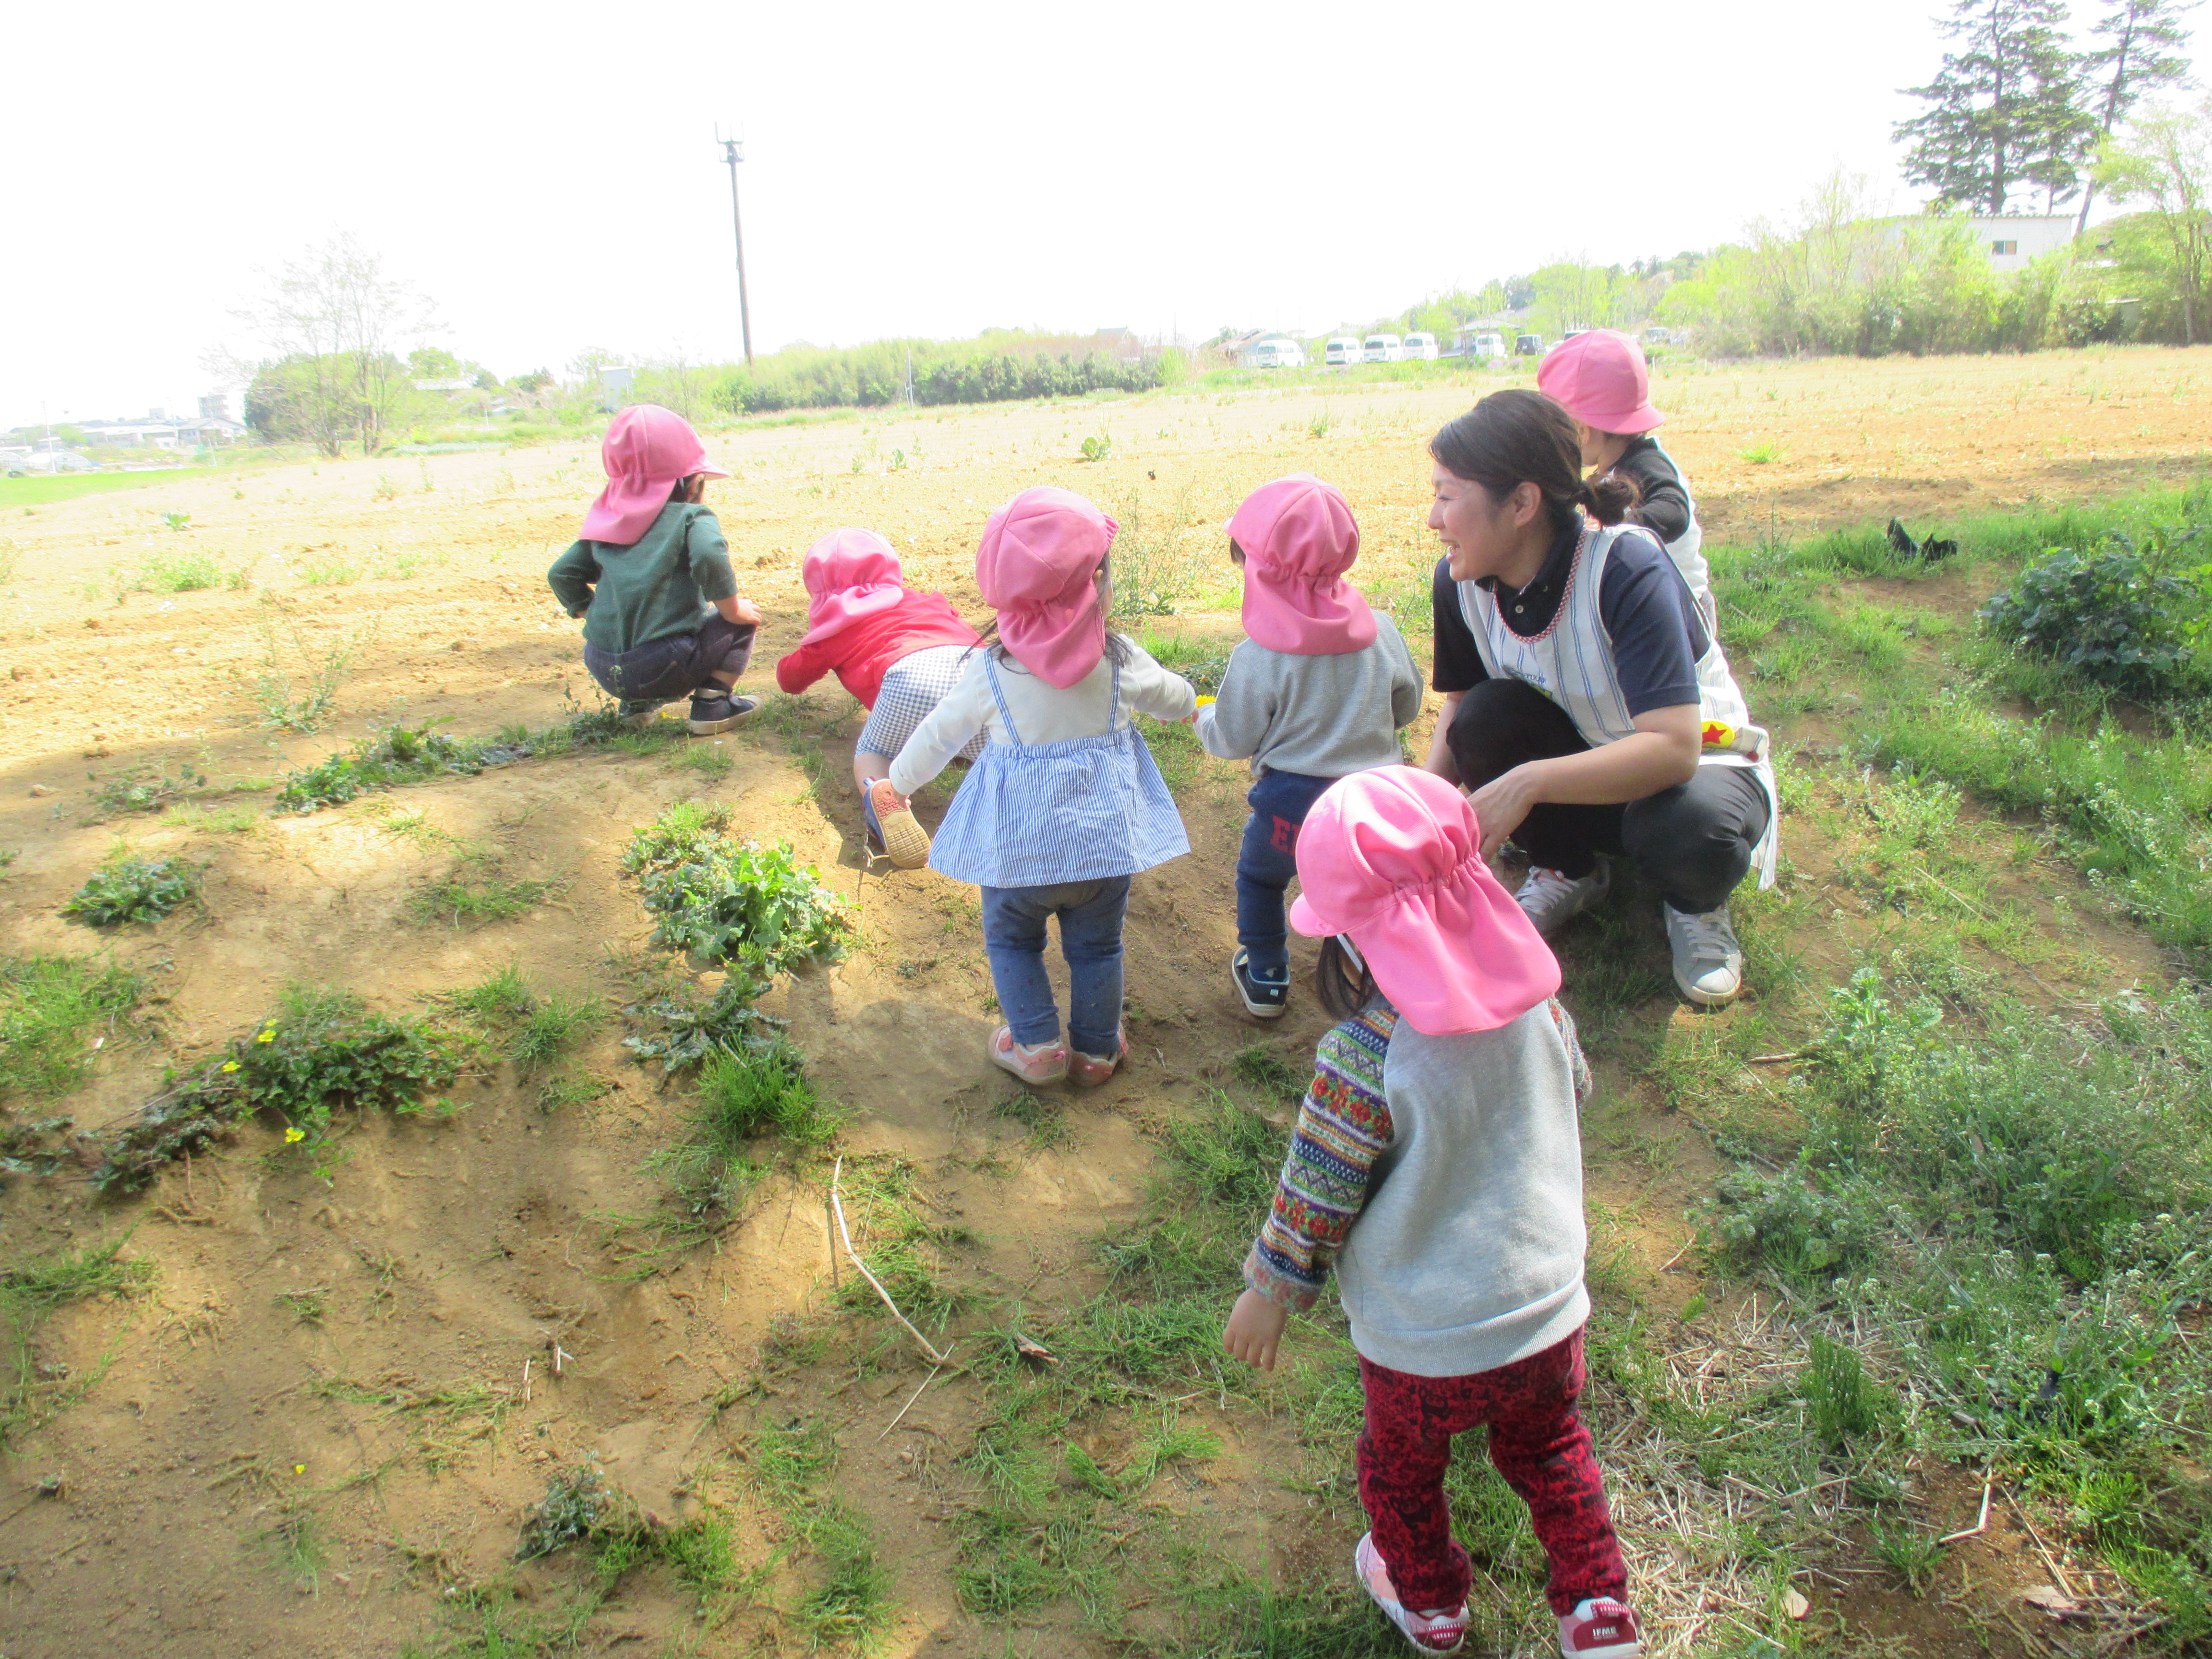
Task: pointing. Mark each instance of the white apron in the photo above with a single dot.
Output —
(1571, 662)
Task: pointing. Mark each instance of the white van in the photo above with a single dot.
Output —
(1384, 349)
(1486, 347)
(1343, 349)
(1277, 352)
(1420, 348)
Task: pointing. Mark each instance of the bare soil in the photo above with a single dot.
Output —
(464, 1253)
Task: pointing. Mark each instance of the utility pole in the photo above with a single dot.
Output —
(733, 151)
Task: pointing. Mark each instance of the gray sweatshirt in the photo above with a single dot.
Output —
(1327, 717)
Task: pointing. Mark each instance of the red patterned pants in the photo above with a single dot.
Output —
(1538, 1443)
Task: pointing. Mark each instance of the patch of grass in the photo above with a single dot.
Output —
(321, 1052)
(712, 761)
(462, 901)
(128, 889)
(140, 789)
(785, 1468)
(294, 1543)
(308, 1307)
(185, 572)
(567, 1089)
(1154, 573)
(296, 685)
(1264, 1070)
(1765, 452)
(740, 901)
(31, 1289)
(49, 1006)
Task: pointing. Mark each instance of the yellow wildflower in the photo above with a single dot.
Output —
(230, 1066)
(268, 1036)
(291, 1135)
(299, 1468)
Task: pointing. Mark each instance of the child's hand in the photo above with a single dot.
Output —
(1254, 1330)
(747, 611)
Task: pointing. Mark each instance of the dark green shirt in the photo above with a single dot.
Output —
(666, 584)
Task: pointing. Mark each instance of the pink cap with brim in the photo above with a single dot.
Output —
(1299, 537)
(849, 574)
(1037, 566)
(1599, 378)
(1393, 858)
(647, 452)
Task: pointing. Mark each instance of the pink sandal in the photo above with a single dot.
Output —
(1032, 1062)
(1088, 1071)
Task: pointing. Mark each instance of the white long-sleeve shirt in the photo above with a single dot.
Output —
(1042, 712)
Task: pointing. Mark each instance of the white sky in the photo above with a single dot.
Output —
(547, 173)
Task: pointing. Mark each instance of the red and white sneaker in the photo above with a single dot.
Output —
(1429, 1632)
(1088, 1071)
(1599, 1628)
(1032, 1062)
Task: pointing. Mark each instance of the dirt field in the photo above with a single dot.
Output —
(459, 1251)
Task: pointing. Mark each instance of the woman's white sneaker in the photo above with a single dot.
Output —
(1553, 899)
(1708, 961)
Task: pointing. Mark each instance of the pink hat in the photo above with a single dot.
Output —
(1300, 538)
(1600, 379)
(1393, 858)
(1039, 554)
(648, 449)
(850, 574)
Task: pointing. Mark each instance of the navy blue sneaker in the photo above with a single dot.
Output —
(1266, 992)
(715, 710)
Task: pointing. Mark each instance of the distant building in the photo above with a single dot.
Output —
(2012, 240)
(213, 428)
(1118, 342)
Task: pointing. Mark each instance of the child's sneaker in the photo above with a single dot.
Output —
(1429, 1632)
(896, 829)
(1032, 1062)
(1088, 1071)
(715, 710)
(1266, 994)
(1599, 1628)
(1551, 900)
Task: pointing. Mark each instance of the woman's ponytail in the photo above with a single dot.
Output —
(1609, 498)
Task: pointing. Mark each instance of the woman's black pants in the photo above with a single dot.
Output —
(1692, 842)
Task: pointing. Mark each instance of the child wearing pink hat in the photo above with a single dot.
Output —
(651, 577)
(899, 651)
(1317, 692)
(1437, 1162)
(1602, 380)
(1064, 805)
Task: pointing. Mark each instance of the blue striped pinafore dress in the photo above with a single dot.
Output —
(1045, 814)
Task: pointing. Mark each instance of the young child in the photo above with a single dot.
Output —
(898, 650)
(1438, 1161)
(1065, 804)
(651, 578)
(1317, 692)
(1602, 380)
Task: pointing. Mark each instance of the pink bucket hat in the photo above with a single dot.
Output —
(1035, 566)
(1393, 858)
(647, 450)
(1299, 537)
(1601, 380)
(849, 574)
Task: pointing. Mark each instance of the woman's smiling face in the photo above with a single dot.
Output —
(1479, 532)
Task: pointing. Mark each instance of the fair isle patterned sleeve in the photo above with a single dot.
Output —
(1344, 1125)
(1578, 1062)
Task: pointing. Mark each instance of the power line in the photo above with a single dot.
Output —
(733, 151)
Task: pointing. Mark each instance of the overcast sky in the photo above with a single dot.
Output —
(547, 173)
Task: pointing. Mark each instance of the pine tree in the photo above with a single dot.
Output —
(2142, 38)
(2004, 113)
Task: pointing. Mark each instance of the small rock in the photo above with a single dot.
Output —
(1794, 1604)
(41, 789)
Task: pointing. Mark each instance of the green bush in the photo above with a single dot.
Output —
(127, 888)
(732, 901)
(2117, 616)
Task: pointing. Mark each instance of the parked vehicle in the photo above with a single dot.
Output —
(1277, 352)
(50, 462)
(1384, 348)
(1528, 345)
(1341, 351)
(1658, 336)
(1420, 346)
(1486, 346)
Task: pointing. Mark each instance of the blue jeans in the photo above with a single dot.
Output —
(1280, 802)
(1090, 914)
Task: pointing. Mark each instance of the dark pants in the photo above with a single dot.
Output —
(663, 669)
(1692, 842)
(1090, 914)
(1539, 1444)
(1265, 864)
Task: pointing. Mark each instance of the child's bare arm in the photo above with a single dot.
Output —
(738, 610)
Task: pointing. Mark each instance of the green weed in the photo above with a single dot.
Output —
(128, 889)
(49, 1006)
(296, 685)
(461, 900)
(141, 789)
(30, 1290)
(732, 901)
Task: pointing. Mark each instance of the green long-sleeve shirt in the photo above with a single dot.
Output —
(665, 583)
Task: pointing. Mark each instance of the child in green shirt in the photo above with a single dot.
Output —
(651, 578)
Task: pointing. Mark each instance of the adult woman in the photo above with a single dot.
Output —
(1587, 706)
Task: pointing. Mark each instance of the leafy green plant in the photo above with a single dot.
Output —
(732, 901)
(1097, 446)
(128, 888)
(47, 1007)
(141, 789)
(397, 754)
(1765, 452)
(320, 1053)
(296, 686)
(685, 1025)
(179, 573)
(177, 521)
(2118, 616)
(744, 1093)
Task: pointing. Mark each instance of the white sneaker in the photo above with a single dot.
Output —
(1439, 1631)
(1553, 900)
(1600, 1628)
(1708, 961)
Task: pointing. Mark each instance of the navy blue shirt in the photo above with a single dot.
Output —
(1643, 604)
